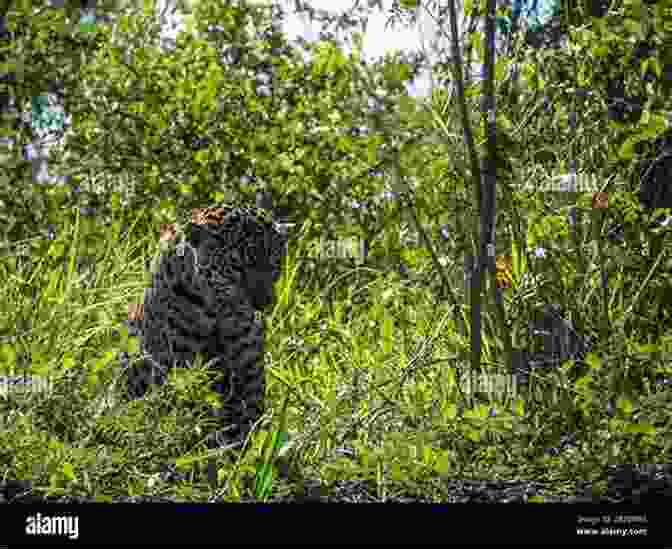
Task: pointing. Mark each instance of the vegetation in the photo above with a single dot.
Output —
(373, 373)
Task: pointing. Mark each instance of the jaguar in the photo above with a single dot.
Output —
(207, 293)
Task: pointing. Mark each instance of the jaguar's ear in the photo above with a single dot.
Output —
(136, 312)
(168, 232)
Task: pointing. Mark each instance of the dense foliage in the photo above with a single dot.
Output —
(363, 357)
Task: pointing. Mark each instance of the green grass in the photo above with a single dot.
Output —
(367, 381)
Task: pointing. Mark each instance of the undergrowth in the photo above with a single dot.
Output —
(368, 380)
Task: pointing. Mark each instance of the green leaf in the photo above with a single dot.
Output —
(655, 125)
(518, 261)
(272, 446)
(531, 76)
(443, 463)
(372, 152)
(479, 411)
(473, 435)
(654, 65)
(450, 411)
(632, 26)
(68, 361)
(627, 149)
(625, 406)
(640, 428)
(501, 68)
(286, 162)
(201, 157)
(54, 480)
(468, 7)
(7, 355)
(477, 44)
(388, 334)
(115, 201)
(264, 480)
(68, 471)
(108, 358)
(593, 361)
(397, 473)
(647, 348)
(184, 188)
(600, 51)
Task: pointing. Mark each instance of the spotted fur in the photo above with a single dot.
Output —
(204, 298)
